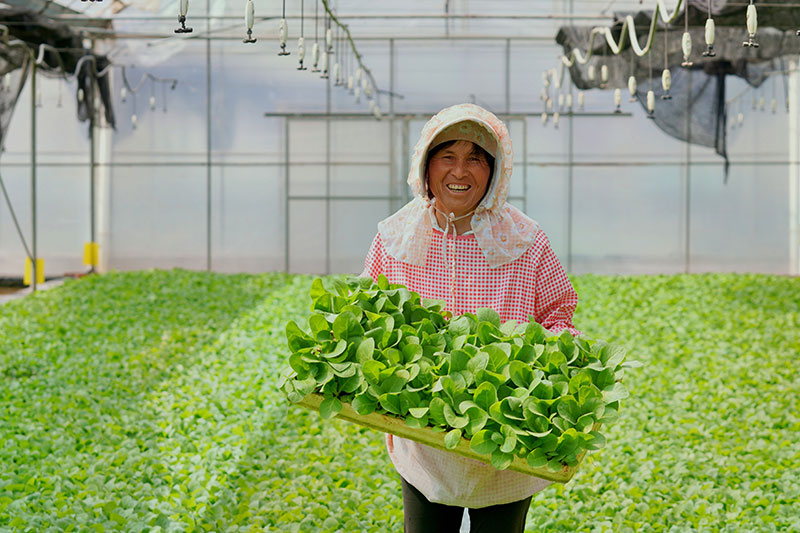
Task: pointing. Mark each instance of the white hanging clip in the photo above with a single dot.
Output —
(123, 94)
(153, 103)
(569, 102)
(249, 20)
(350, 84)
(376, 110)
(617, 100)
(184, 8)
(337, 74)
(329, 40)
(686, 45)
(603, 76)
(315, 57)
(555, 119)
(651, 104)
(581, 99)
(357, 92)
(632, 88)
(133, 121)
(666, 83)
(324, 66)
(301, 52)
(544, 118)
(560, 100)
(284, 32)
(81, 95)
(590, 73)
(752, 26)
(710, 28)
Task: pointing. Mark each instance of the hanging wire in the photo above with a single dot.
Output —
(315, 48)
(301, 41)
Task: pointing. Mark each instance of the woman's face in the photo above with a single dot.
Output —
(458, 178)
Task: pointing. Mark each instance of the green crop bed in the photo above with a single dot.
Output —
(148, 401)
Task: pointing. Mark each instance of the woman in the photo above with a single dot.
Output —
(459, 241)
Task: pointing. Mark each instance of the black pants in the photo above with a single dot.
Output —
(422, 516)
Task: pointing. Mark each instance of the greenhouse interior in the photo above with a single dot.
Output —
(249, 274)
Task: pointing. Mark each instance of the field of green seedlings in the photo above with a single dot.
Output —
(149, 401)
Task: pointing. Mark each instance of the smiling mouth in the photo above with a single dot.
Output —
(454, 187)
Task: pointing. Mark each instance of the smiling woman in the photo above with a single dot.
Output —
(459, 241)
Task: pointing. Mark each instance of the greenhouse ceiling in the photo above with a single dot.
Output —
(365, 19)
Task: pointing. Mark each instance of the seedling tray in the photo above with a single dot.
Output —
(435, 439)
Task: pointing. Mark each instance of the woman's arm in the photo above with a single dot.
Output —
(555, 299)
(373, 264)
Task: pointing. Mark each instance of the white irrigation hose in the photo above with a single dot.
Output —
(660, 12)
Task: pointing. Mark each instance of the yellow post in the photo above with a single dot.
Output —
(90, 253)
(39, 271)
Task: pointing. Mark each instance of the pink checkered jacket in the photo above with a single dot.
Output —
(533, 285)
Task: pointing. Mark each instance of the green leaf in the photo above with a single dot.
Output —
(365, 350)
(460, 326)
(537, 458)
(452, 438)
(597, 442)
(482, 442)
(383, 283)
(418, 412)
(453, 420)
(569, 410)
(488, 315)
(437, 412)
(372, 370)
(617, 393)
(501, 460)
(364, 404)
(391, 402)
(521, 374)
(336, 349)
(485, 395)
(330, 407)
(347, 326)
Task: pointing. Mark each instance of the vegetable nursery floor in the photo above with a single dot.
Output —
(149, 400)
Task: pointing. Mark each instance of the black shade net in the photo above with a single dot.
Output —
(696, 112)
(33, 30)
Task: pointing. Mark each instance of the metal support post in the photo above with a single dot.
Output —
(33, 176)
